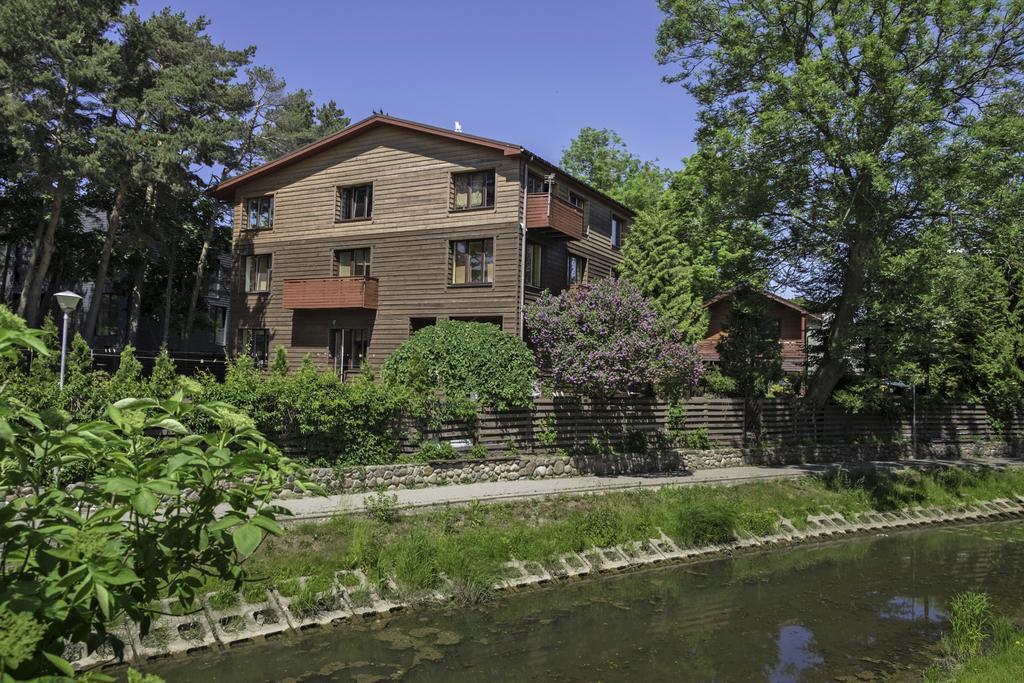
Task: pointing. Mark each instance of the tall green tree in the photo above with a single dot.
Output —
(836, 121)
(600, 158)
(54, 59)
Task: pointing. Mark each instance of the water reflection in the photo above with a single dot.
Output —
(913, 609)
(860, 607)
(795, 654)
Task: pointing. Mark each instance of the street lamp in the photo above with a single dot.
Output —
(68, 302)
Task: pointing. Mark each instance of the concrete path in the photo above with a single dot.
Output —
(489, 492)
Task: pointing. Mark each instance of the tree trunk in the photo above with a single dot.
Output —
(169, 292)
(42, 253)
(101, 272)
(197, 282)
(839, 340)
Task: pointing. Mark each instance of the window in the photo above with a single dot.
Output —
(219, 318)
(534, 258)
(472, 262)
(110, 314)
(616, 231)
(417, 324)
(474, 190)
(261, 212)
(256, 342)
(257, 273)
(356, 202)
(352, 263)
(535, 184)
(776, 328)
(581, 204)
(576, 270)
(347, 348)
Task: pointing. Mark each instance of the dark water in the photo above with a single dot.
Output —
(866, 607)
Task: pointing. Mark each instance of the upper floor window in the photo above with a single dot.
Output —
(576, 270)
(616, 231)
(472, 262)
(474, 190)
(534, 256)
(580, 203)
(260, 211)
(356, 202)
(257, 272)
(352, 262)
(536, 184)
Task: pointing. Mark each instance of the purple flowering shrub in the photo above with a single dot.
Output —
(603, 338)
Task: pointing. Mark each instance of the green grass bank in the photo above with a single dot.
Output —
(468, 546)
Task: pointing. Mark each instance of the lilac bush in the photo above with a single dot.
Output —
(603, 338)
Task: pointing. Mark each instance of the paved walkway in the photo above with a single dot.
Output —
(488, 492)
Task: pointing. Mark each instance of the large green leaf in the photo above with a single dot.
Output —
(247, 538)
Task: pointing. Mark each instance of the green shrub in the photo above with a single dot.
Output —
(453, 369)
(969, 616)
(382, 506)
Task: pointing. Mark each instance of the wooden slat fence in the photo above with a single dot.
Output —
(572, 423)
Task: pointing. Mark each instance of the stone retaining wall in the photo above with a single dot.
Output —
(444, 472)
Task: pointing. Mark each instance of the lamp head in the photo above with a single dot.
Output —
(68, 301)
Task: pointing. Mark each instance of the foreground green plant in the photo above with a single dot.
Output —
(163, 510)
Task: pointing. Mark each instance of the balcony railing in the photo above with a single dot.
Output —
(330, 292)
(554, 213)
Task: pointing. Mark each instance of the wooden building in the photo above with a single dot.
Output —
(792, 321)
(345, 247)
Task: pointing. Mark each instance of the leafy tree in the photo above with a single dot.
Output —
(600, 158)
(750, 353)
(679, 253)
(68, 576)
(453, 368)
(54, 58)
(837, 124)
(279, 366)
(606, 338)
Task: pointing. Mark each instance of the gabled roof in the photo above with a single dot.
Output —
(225, 189)
(763, 292)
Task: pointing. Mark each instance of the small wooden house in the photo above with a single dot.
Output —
(793, 323)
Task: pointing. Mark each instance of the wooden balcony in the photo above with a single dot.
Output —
(330, 292)
(560, 215)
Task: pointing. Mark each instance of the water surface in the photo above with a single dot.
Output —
(852, 610)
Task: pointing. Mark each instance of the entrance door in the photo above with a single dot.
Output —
(348, 348)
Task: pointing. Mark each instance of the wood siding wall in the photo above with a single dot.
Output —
(408, 236)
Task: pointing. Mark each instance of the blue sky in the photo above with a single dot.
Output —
(528, 72)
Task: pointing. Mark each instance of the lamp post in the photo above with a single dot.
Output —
(68, 302)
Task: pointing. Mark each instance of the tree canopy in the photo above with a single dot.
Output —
(851, 132)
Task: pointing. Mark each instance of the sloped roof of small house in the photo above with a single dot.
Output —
(763, 292)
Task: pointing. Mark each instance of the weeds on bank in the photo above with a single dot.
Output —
(981, 647)
(465, 548)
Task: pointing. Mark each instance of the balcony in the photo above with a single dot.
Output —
(558, 215)
(330, 292)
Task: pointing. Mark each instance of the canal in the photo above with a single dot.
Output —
(850, 610)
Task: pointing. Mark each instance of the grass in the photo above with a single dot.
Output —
(981, 647)
(466, 548)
